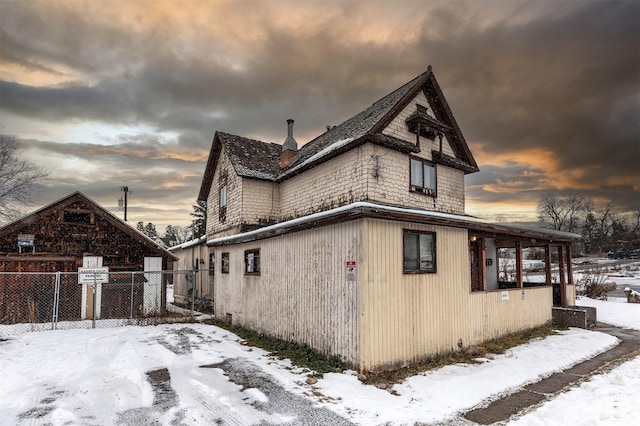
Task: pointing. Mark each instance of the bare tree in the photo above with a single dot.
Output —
(19, 180)
(564, 213)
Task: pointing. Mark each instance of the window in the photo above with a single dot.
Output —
(252, 262)
(222, 211)
(223, 196)
(212, 263)
(419, 252)
(83, 218)
(224, 266)
(423, 176)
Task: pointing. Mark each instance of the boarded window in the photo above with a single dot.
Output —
(252, 262)
(419, 252)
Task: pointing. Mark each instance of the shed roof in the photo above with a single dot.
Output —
(114, 220)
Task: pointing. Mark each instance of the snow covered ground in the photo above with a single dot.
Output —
(196, 374)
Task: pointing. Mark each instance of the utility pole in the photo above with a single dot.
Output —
(125, 189)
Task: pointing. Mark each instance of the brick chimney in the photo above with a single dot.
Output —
(289, 147)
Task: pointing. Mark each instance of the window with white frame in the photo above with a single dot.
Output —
(423, 176)
(419, 252)
(252, 262)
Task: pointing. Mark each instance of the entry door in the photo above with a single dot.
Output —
(476, 257)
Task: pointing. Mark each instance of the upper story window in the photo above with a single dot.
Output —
(252, 262)
(222, 211)
(419, 252)
(423, 176)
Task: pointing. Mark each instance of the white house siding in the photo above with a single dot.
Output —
(302, 293)
(234, 199)
(407, 317)
(334, 183)
(392, 184)
(369, 172)
(260, 200)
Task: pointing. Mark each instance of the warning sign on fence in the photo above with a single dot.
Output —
(93, 275)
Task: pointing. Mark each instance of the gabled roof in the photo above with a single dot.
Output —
(250, 158)
(260, 160)
(74, 198)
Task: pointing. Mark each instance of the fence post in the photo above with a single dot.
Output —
(93, 322)
(131, 309)
(193, 291)
(56, 302)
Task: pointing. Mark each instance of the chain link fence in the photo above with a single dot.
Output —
(38, 301)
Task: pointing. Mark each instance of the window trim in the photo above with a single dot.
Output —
(256, 253)
(404, 249)
(225, 260)
(432, 192)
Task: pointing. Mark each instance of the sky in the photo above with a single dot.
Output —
(105, 94)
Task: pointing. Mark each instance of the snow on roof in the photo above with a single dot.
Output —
(190, 243)
(467, 221)
(322, 153)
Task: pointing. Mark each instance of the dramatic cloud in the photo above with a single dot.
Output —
(115, 93)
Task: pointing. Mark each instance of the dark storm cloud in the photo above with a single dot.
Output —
(564, 79)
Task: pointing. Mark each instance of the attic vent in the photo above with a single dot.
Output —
(77, 217)
(421, 109)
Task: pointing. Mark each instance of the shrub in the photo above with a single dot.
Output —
(595, 284)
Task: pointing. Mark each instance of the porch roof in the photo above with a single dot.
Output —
(382, 211)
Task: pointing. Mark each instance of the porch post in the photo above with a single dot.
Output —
(547, 263)
(563, 281)
(569, 266)
(519, 263)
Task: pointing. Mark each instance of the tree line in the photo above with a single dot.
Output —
(175, 234)
(604, 229)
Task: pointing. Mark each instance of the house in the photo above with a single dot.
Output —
(357, 243)
(74, 232)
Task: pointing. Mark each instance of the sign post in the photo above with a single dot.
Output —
(93, 277)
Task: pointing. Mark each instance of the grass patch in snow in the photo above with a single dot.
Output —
(470, 355)
(300, 355)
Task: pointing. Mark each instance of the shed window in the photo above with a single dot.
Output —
(224, 266)
(423, 176)
(77, 217)
(419, 252)
(252, 262)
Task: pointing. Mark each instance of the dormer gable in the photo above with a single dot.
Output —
(370, 125)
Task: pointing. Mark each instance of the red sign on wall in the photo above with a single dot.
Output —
(350, 271)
